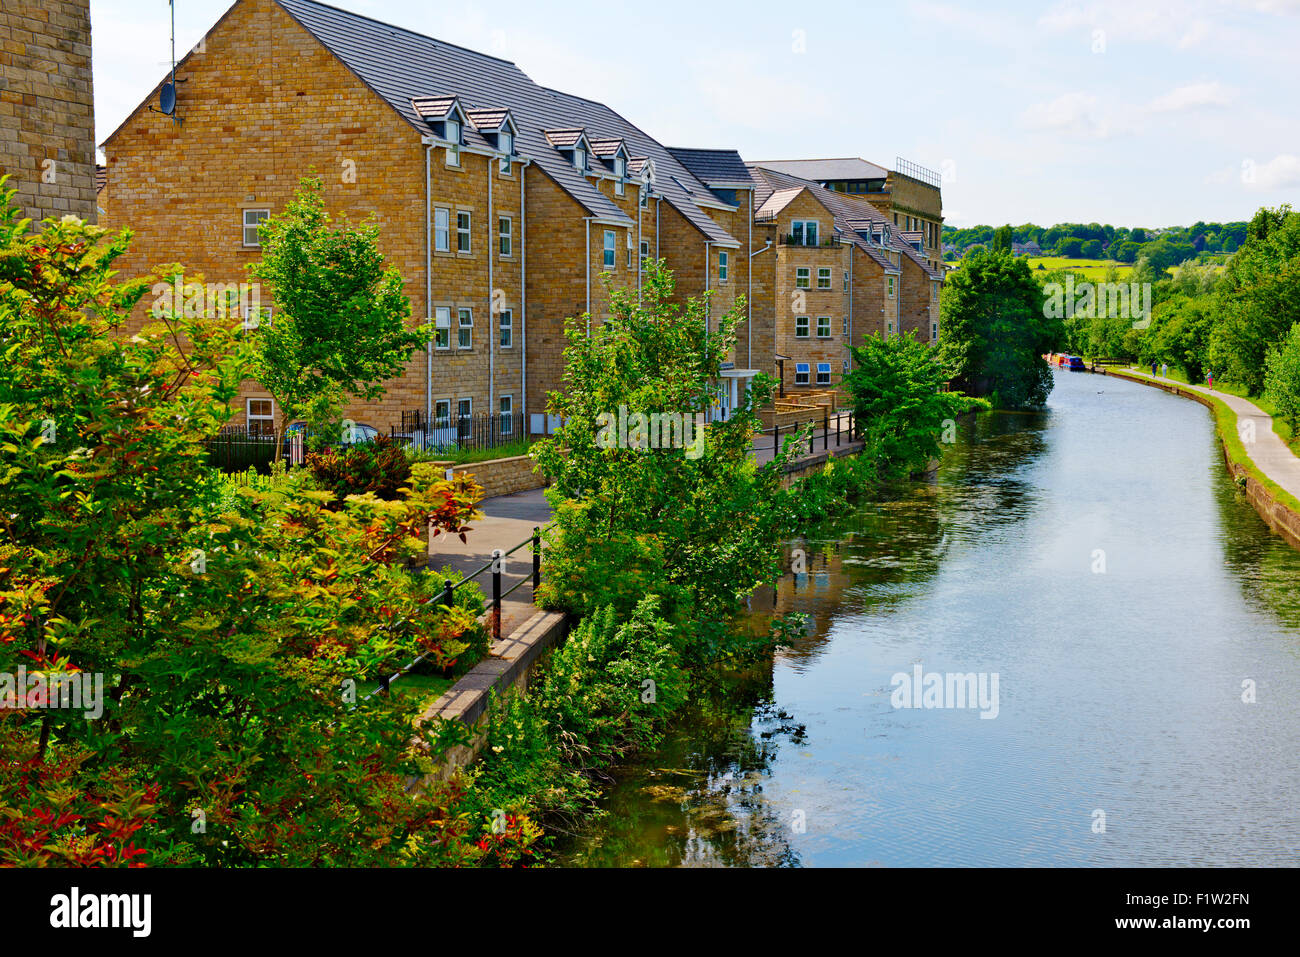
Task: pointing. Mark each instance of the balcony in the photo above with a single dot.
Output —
(826, 243)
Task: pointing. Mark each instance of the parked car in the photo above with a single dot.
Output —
(357, 434)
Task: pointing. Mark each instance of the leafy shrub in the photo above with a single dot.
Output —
(228, 637)
(380, 466)
(1282, 379)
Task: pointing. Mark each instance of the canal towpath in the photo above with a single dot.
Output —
(1267, 450)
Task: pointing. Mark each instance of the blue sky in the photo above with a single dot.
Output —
(1133, 112)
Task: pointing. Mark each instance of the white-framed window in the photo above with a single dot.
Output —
(580, 160)
(801, 373)
(256, 319)
(889, 329)
(609, 248)
(465, 328)
(934, 330)
(442, 327)
(846, 280)
(724, 264)
(846, 366)
(844, 325)
(823, 277)
(823, 327)
(506, 406)
(889, 284)
(645, 195)
(620, 170)
(934, 289)
(645, 251)
(803, 232)
(442, 229)
(801, 277)
(465, 408)
(506, 143)
(507, 322)
(251, 218)
(801, 327)
(442, 413)
(506, 235)
(463, 231)
(453, 137)
(823, 373)
(261, 416)
(630, 256)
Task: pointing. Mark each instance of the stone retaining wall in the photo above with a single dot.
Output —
(506, 669)
(501, 476)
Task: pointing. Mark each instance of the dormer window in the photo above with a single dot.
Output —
(620, 172)
(580, 160)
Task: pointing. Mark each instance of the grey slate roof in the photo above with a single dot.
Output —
(713, 167)
(402, 66)
(602, 122)
(849, 167)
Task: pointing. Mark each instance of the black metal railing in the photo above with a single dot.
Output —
(840, 423)
(492, 607)
(464, 433)
(826, 242)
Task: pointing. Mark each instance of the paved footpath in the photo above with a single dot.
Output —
(507, 520)
(1269, 453)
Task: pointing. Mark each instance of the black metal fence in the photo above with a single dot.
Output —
(461, 433)
(237, 449)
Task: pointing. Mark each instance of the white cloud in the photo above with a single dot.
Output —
(1081, 114)
(1281, 172)
(1190, 97)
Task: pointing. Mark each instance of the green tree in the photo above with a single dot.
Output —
(896, 388)
(340, 323)
(1180, 333)
(1071, 246)
(1282, 378)
(1002, 239)
(1257, 300)
(696, 523)
(222, 631)
(996, 330)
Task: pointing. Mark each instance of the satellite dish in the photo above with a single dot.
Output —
(167, 99)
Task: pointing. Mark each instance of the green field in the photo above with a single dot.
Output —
(1094, 270)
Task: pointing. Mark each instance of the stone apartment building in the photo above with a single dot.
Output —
(501, 202)
(506, 207)
(47, 115)
(835, 270)
(909, 195)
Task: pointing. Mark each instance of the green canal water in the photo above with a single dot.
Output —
(1095, 557)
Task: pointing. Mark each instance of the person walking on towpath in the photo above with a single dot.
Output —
(1164, 370)
(1209, 380)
